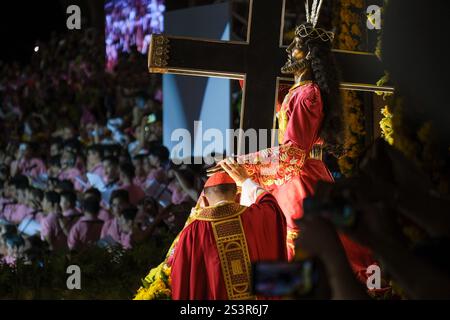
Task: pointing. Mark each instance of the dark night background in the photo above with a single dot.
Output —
(19, 28)
(22, 23)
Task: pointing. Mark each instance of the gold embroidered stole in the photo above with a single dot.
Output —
(232, 246)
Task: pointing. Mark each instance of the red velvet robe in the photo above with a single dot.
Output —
(300, 119)
(197, 272)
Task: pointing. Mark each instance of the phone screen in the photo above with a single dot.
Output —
(279, 279)
(151, 118)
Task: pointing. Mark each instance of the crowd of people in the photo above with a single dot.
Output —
(130, 23)
(82, 164)
(81, 157)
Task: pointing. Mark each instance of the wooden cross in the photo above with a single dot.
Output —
(257, 61)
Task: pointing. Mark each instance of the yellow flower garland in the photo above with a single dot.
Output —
(157, 284)
(387, 129)
(349, 38)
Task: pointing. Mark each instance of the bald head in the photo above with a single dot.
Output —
(223, 192)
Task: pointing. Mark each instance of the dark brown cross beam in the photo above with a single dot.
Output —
(257, 61)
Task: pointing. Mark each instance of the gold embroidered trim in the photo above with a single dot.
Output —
(292, 235)
(283, 121)
(300, 84)
(234, 258)
(275, 166)
(221, 212)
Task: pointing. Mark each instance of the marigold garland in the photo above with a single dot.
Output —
(157, 284)
(349, 38)
(387, 130)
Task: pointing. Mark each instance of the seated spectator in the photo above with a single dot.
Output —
(111, 171)
(148, 209)
(119, 201)
(34, 200)
(181, 186)
(87, 230)
(104, 214)
(27, 163)
(9, 199)
(111, 177)
(94, 160)
(158, 158)
(15, 213)
(6, 230)
(51, 231)
(63, 186)
(56, 147)
(140, 163)
(70, 172)
(127, 183)
(54, 169)
(6, 196)
(127, 227)
(70, 215)
(13, 248)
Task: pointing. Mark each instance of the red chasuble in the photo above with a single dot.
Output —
(215, 252)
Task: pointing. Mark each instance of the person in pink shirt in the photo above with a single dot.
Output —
(86, 232)
(135, 192)
(7, 195)
(70, 172)
(94, 160)
(70, 215)
(34, 201)
(14, 248)
(8, 210)
(9, 198)
(54, 167)
(126, 227)
(104, 213)
(26, 163)
(140, 172)
(158, 158)
(158, 174)
(178, 195)
(111, 171)
(56, 147)
(51, 230)
(17, 212)
(140, 163)
(118, 202)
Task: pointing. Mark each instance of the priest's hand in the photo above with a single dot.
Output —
(235, 170)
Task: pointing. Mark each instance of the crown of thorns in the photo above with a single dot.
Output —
(310, 32)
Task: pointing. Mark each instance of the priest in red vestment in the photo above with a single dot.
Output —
(215, 252)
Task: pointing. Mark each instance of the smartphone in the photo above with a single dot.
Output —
(151, 118)
(281, 279)
(22, 147)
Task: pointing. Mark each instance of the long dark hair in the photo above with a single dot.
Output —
(325, 74)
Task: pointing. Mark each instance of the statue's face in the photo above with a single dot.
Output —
(297, 62)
